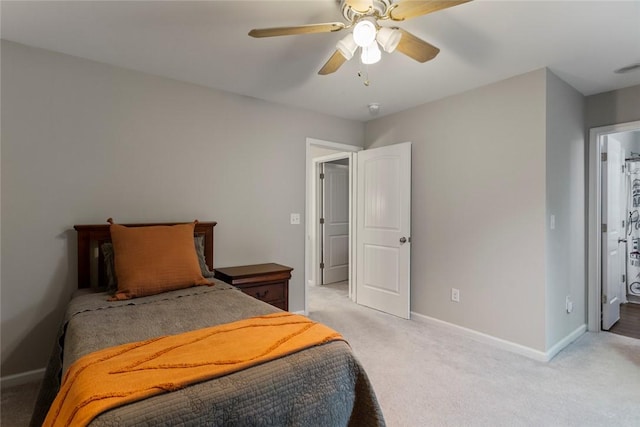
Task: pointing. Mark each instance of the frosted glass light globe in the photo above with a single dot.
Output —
(364, 33)
(370, 54)
(389, 38)
(347, 46)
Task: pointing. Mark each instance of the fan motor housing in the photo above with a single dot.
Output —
(377, 9)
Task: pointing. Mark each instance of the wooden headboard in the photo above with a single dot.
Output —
(91, 237)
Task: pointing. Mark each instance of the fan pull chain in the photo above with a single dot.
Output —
(364, 76)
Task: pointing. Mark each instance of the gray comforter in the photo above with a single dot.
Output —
(320, 386)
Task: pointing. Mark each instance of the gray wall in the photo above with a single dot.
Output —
(478, 206)
(565, 177)
(77, 138)
(608, 108)
(83, 141)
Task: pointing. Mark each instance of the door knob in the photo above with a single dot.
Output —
(403, 240)
(622, 240)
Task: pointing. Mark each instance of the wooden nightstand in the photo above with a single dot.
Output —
(266, 282)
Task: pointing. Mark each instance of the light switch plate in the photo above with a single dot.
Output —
(295, 218)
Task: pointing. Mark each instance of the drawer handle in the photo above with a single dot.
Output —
(262, 295)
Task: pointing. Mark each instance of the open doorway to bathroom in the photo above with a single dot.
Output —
(614, 292)
(629, 318)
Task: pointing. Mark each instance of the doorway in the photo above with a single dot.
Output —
(379, 230)
(612, 233)
(319, 152)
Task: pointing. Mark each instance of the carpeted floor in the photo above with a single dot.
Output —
(427, 375)
(17, 404)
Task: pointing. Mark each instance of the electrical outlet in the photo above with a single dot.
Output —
(295, 218)
(568, 304)
(455, 295)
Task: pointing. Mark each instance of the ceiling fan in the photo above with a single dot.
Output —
(365, 17)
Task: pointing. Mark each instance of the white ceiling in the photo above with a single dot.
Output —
(206, 42)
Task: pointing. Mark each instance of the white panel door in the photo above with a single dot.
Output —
(384, 228)
(613, 239)
(335, 233)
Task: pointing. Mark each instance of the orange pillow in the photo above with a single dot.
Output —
(154, 259)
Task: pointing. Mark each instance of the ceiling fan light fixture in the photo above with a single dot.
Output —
(371, 54)
(364, 33)
(347, 46)
(389, 38)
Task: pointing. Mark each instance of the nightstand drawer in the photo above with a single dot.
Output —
(266, 293)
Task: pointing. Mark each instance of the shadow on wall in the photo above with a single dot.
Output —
(608, 108)
(25, 353)
(31, 349)
(607, 111)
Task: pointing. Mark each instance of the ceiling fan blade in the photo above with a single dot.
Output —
(359, 5)
(416, 48)
(332, 65)
(300, 29)
(411, 8)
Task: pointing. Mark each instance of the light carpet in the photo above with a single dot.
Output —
(429, 375)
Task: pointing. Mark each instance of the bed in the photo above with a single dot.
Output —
(323, 385)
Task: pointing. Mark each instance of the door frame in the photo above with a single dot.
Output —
(340, 151)
(594, 281)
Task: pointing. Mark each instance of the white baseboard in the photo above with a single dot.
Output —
(22, 378)
(577, 333)
(504, 344)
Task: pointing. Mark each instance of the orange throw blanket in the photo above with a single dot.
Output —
(127, 373)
